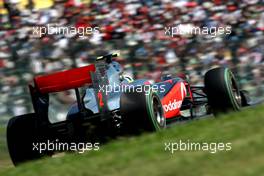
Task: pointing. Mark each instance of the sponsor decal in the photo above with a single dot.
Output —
(176, 104)
(183, 90)
(172, 105)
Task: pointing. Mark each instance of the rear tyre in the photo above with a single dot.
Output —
(141, 111)
(21, 131)
(222, 90)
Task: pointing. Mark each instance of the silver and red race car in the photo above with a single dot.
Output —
(114, 104)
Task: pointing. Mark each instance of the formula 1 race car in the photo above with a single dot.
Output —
(114, 104)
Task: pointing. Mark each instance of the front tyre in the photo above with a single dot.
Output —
(222, 90)
(141, 111)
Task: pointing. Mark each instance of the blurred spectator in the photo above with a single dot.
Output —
(137, 29)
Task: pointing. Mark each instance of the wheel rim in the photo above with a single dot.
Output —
(158, 113)
(236, 91)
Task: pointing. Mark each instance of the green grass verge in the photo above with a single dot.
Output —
(145, 155)
(4, 156)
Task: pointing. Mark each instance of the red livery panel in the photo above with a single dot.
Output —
(64, 80)
(173, 100)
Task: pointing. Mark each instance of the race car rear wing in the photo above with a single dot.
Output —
(95, 75)
(64, 80)
(58, 82)
(70, 79)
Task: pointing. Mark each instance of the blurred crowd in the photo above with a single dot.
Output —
(135, 28)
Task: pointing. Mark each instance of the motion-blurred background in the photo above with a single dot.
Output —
(136, 28)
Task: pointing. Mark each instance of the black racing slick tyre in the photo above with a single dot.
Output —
(21, 131)
(222, 90)
(141, 112)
